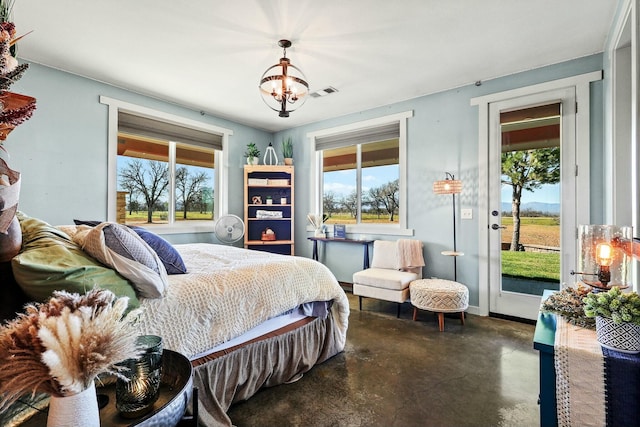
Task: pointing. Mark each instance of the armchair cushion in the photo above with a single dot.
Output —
(384, 278)
(385, 255)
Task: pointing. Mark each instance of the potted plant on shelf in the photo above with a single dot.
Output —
(252, 154)
(287, 151)
(617, 318)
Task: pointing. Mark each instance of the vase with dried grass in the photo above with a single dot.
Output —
(14, 110)
(60, 347)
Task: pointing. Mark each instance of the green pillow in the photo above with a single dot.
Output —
(50, 261)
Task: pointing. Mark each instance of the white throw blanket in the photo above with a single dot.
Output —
(229, 290)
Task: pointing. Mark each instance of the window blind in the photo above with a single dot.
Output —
(152, 128)
(359, 136)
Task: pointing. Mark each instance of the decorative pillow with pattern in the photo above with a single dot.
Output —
(123, 250)
(169, 256)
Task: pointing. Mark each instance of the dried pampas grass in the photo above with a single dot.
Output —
(61, 346)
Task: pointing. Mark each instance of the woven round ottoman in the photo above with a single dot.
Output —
(440, 296)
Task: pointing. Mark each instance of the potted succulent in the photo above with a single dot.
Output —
(617, 318)
(252, 154)
(287, 151)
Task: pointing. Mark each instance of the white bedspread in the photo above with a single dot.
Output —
(229, 290)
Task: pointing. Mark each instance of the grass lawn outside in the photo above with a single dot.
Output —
(544, 266)
(160, 217)
(345, 218)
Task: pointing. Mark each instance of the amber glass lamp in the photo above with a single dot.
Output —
(604, 256)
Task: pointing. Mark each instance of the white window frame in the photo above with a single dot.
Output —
(399, 229)
(221, 171)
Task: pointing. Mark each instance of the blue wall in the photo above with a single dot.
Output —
(62, 154)
(62, 150)
(442, 136)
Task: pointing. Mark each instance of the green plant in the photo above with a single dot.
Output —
(287, 148)
(252, 150)
(613, 304)
(6, 6)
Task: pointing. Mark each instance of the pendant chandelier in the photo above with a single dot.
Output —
(283, 86)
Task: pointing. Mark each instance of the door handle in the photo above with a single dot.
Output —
(496, 226)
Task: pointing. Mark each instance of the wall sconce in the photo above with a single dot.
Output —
(136, 395)
(605, 253)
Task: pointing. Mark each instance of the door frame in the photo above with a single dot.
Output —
(580, 83)
(513, 303)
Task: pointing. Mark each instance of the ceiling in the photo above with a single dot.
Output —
(209, 55)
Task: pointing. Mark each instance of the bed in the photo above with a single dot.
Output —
(246, 319)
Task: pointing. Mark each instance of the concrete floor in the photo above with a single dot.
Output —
(397, 372)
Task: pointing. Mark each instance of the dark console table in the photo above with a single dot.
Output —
(621, 376)
(544, 342)
(364, 242)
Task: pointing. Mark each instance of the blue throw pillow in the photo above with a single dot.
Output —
(89, 223)
(168, 254)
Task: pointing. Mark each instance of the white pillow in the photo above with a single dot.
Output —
(122, 249)
(385, 254)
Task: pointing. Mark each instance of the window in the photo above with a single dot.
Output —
(164, 170)
(360, 174)
(361, 183)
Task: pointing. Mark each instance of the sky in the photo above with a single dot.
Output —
(548, 193)
(344, 182)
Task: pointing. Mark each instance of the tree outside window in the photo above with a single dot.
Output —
(361, 183)
(144, 168)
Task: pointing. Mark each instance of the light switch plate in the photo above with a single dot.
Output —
(466, 213)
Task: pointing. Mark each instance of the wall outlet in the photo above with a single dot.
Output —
(466, 213)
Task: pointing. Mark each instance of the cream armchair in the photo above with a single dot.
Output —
(394, 266)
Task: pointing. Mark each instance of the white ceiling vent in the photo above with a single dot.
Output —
(323, 92)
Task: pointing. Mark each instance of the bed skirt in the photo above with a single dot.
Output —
(238, 375)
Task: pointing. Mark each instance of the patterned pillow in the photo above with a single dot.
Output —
(169, 256)
(123, 250)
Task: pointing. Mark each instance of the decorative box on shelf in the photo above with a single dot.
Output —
(264, 214)
(277, 182)
(258, 181)
(268, 234)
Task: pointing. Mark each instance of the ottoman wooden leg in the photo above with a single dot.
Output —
(462, 317)
(415, 313)
(441, 321)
